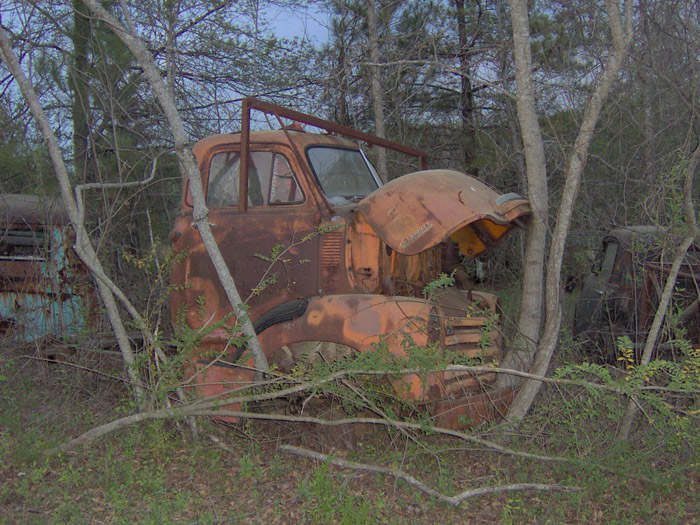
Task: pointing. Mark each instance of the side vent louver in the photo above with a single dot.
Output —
(331, 244)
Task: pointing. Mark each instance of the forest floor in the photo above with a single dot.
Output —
(155, 472)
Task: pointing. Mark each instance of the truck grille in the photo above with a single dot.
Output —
(466, 336)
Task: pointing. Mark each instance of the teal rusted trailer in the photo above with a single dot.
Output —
(44, 289)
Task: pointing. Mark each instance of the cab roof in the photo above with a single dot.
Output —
(280, 137)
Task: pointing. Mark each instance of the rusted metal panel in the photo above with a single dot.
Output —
(42, 285)
(419, 210)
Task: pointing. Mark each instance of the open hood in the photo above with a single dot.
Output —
(417, 211)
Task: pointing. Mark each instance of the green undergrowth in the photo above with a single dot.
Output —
(156, 472)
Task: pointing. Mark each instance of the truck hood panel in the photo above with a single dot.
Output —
(417, 211)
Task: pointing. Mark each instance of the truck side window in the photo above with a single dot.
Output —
(222, 189)
(270, 180)
(284, 188)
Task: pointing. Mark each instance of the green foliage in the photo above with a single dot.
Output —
(668, 391)
(275, 253)
(433, 288)
(248, 464)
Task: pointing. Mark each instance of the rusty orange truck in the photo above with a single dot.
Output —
(331, 260)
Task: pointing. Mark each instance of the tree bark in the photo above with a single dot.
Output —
(466, 94)
(622, 37)
(81, 103)
(530, 318)
(377, 92)
(187, 160)
(647, 65)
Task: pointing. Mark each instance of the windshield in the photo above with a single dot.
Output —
(344, 174)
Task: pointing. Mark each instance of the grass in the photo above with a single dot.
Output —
(157, 473)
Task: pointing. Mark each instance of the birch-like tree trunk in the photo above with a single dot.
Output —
(466, 94)
(187, 161)
(530, 319)
(666, 295)
(83, 247)
(622, 36)
(81, 104)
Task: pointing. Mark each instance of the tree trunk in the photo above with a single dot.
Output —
(530, 318)
(647, 100)
(466, 94)
(81, 104)
(377, 93)
(622, 37)
(187, 160)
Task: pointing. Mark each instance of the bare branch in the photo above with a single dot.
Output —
(187, 161)
(403, 476)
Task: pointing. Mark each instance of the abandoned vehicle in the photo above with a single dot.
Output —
(43, 290)
(620, 295)
(331, 260)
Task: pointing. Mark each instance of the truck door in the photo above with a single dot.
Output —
(269, 248)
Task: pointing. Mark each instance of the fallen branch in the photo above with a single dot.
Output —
(193, 410)
(400, 474)
(73, 365)
(387, 422)
(206, 407)
(622, 388)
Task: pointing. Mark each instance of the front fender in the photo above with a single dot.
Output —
(358, 321)
(361, 322)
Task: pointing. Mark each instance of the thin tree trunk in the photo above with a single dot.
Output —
(622, 36)
(187, 160)
(466, 94)
(81, 105)
(633, 406)
(83, 247)
(377, 93)
(647, 99)
(530, 318)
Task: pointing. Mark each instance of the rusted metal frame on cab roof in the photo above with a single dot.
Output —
(332, 127)
(245, 156)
